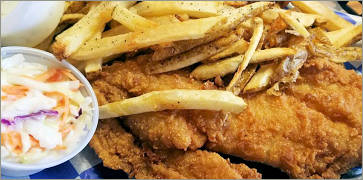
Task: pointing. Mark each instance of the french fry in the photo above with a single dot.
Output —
(71, 18)
(115, 31)
(257, 34)
(335, 22)
(269, 54)
(192, 29)
(293, 23)
(261, 78)
(307, 20)
(167, 19)
(174, 99)
(337, 55)
(246, 76)
(238, 47)
(345, 36)
(346, 54)
(230, 65)
(90, 5)
(235, 17)
(179, 47)
(193, 56)
(93, 65)
(248, 24)
(197, 9)
(225, 9)
(71, 39)
(182, 17)
(132, 21)
(219, 68)
(236, 4)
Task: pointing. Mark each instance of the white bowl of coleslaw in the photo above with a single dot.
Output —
(49, 111)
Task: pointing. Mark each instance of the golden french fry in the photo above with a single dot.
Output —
(93, 65)
(197, 9)
(192, 29)
(115, 31)
(230, 65)
(335, 22)
(269, 16)
(248, 23)
(334, 54)
(234, 18)
(261, 78)
(90, 5)
(71, 18)
(296, 25)
(237, 16)
(71, 39)
(132, 21)
(246, 76)
(174, 99)
(182, 17)
(193, 56)
(270, 54)
(346, 54)
(219, 68)
(179, 47)
(236, 4)
(345, 36)
(255, 39)
(238, 47)
(225, 9)
(167, 19)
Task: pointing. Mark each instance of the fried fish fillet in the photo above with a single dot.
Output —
(178, 129)
(161, 130)
(313, 130)
(119, 151)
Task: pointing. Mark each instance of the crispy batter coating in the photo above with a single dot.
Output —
(166, 129)
(118, 151)
(161, 130)
(130, 76)
(312, 130)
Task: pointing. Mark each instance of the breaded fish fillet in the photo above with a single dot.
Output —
(118, 150)
(161, 130)
(312, 130)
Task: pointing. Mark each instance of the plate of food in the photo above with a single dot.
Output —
(210, 90)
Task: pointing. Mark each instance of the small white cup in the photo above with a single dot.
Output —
(39, 56)
(30, 22)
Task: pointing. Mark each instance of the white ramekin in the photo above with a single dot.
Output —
(30, 22)
(39, 56)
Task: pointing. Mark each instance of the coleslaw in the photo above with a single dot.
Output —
(43, 112)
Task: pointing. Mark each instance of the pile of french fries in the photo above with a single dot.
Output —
(242, 47)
